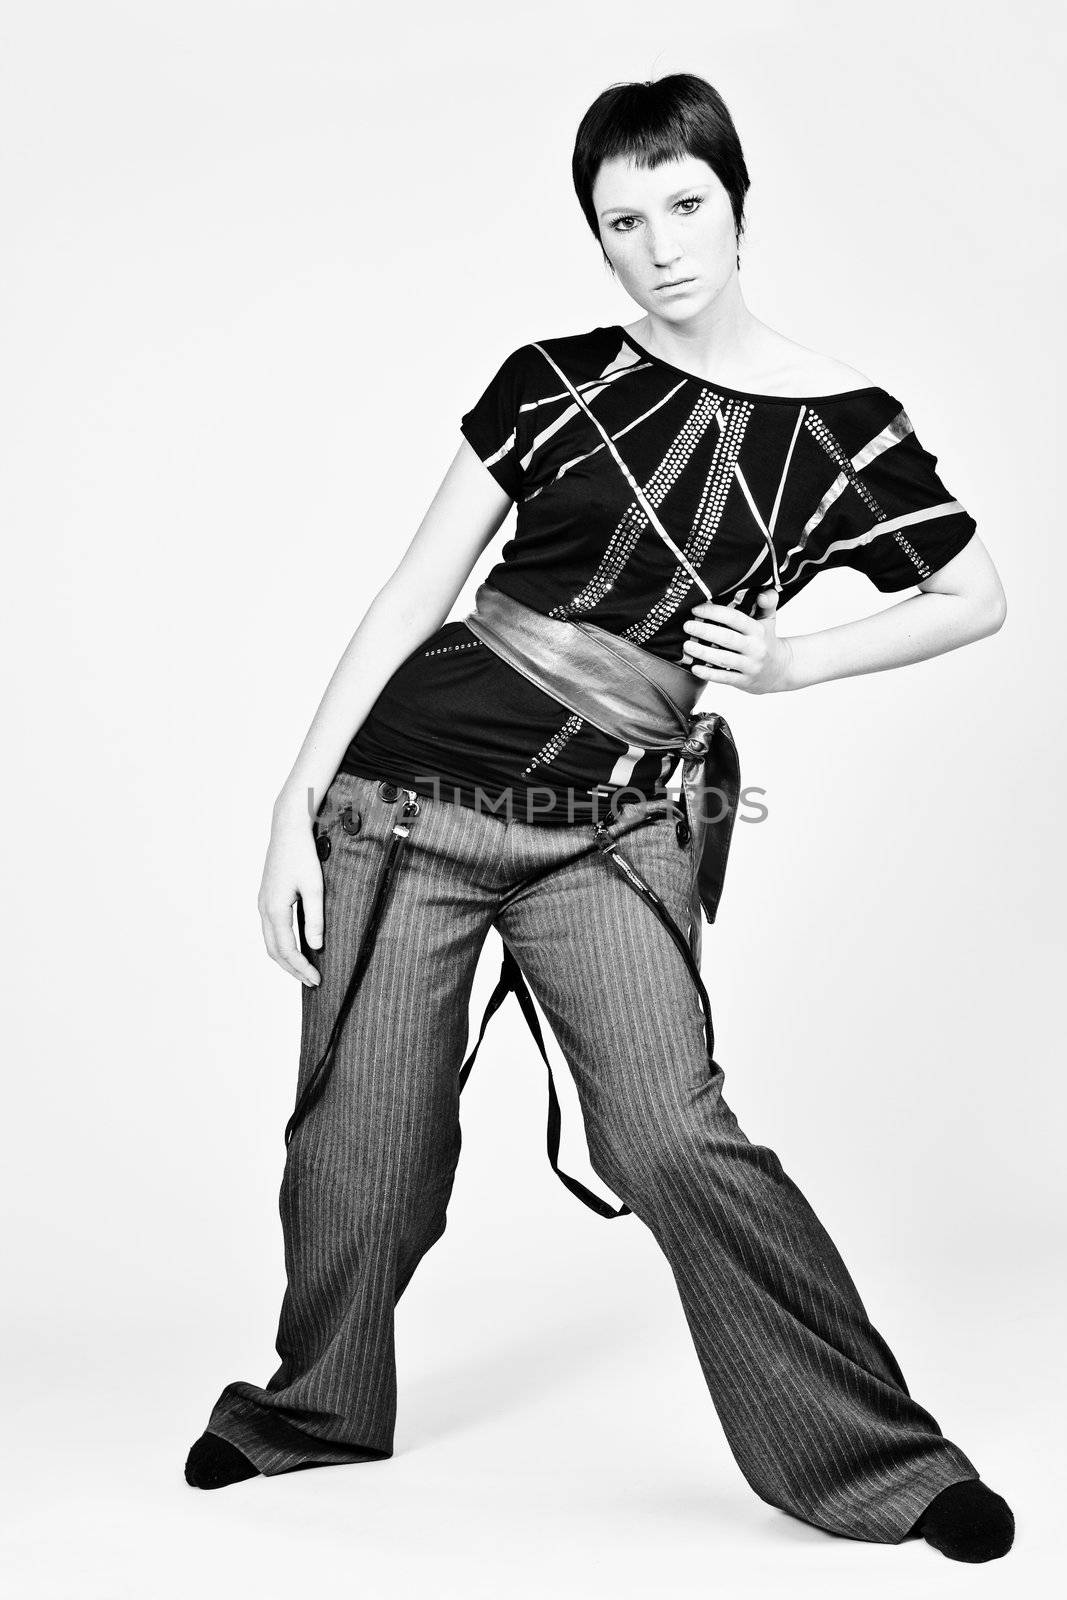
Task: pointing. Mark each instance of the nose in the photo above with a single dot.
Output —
(663, 251)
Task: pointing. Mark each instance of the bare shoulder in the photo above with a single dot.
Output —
(803, 371)
(836, 375)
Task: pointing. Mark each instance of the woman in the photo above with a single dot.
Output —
(677, 480)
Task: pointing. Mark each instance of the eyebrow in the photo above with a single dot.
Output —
(627, 210)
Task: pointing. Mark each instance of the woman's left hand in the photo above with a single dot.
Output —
(725, 646)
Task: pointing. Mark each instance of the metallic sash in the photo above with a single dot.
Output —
(635, 696)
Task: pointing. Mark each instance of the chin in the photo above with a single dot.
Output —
(672, 308)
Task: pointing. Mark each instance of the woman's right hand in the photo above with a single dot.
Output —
(292, 870)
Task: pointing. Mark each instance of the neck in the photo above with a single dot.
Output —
(722, 336)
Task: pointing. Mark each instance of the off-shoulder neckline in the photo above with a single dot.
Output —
(744, 394)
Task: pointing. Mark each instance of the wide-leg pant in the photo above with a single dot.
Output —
(812, 1401)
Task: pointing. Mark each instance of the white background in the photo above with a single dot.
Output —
(259, 258)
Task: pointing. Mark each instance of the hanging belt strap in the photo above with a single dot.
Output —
(511, 978)
(315, 1086)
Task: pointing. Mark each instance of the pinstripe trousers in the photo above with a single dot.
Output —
(815, 1409)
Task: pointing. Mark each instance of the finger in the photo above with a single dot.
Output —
(725, 675)
(716, 633)
(735, 662)
(768, 603)
(311, 902)
(268, 934)
(285, 950)
(730, 649)
(730, 617)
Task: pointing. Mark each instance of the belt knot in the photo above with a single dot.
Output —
(698, 740)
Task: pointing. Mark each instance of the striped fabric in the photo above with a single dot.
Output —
(814, 1406)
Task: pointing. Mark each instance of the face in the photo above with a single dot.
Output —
(664, 223)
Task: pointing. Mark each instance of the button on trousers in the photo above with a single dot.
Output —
(813, 1404)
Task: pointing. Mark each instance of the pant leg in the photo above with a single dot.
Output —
(814, 1406)
(368, 1174)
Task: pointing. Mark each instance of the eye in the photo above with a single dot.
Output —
(687, 200)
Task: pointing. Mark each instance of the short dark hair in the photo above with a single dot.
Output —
(656, 121)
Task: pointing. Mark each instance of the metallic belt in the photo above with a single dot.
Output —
(633, 695)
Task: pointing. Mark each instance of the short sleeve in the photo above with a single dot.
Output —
(493, 425)
(897, 521)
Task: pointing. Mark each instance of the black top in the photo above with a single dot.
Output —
(750, 487)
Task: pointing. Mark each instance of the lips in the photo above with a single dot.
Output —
(675, 283)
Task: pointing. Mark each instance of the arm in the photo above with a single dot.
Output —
(963, 602)
(462, 519)
(956, 605)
